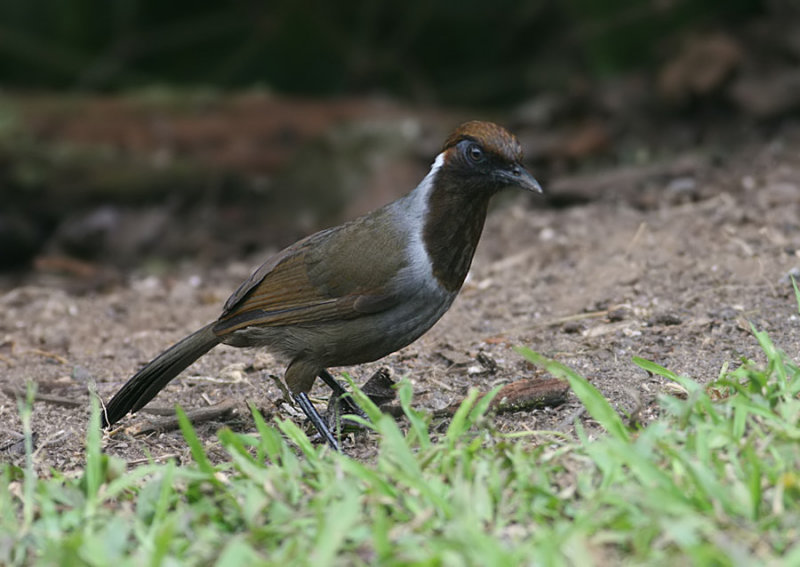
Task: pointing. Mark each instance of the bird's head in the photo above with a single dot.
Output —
(486, 156)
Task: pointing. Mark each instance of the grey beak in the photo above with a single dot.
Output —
(522, 178)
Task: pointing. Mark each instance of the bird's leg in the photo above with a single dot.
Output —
(338, 389)
(316, 420)
(343, 395)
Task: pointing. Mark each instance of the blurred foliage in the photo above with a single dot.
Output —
(617, 34)
(464, 51)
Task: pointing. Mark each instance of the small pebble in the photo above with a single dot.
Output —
(618, 313)
(233, 372)
(666, 318)
(572, 327)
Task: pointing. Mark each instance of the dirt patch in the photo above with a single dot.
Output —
(675, 278)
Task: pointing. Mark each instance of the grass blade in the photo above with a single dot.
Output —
(418, 425)
(597, 406)
(654, 368)
(195, 445)
(459, 424)
(94, 455)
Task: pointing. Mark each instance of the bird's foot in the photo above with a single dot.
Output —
(316, 419)
(379, 389)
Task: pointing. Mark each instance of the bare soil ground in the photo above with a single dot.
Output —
(671, 268)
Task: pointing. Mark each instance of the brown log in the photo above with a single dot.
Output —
(524, 394)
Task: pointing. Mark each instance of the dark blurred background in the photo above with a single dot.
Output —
(134, 133)
(451, 52)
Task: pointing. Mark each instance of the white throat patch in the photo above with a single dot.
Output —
(417, 207)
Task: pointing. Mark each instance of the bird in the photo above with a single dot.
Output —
(359, 291)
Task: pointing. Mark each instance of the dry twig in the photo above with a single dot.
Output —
(221, 411)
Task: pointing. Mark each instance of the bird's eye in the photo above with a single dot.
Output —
(475, 153)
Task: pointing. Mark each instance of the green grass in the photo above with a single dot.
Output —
(714, 481)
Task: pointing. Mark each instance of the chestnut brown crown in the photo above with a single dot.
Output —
(492, 138)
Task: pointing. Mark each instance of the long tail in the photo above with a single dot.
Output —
(150, 380)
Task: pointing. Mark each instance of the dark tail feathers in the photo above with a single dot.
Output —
(151, 379)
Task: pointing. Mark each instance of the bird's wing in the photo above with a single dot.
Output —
(303, 284)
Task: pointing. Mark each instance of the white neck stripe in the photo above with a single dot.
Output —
(414, 216)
